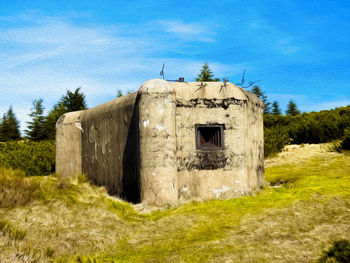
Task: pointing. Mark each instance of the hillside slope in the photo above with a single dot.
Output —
(303, 208)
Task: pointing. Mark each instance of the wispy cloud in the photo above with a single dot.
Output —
(272, 37)
(326, 105)
(188, 31)
(287, 46)
(46, 57)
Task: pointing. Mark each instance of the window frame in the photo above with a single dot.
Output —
(213, 147)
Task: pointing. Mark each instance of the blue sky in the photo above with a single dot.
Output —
(299, 49)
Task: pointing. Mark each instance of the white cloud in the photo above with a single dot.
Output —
(287, 46)
(47, 56)
(188, 31)
(326, 105)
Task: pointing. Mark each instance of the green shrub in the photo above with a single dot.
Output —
(275, 139)
(339, 252)
(34, 158)
(313, 127)
(335, 146)
(346, 139)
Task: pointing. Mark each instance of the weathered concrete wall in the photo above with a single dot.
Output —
(105, 158)
(142, 146)
(225, 173)
(68, 144)
(157, 143)
(254, 146)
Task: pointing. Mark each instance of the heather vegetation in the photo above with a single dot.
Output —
(31, 157)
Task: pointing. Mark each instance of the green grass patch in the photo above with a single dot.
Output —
(185, 233)
(303, 209)
(12, 231)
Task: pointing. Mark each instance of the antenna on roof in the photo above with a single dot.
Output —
(181, 79)
(243, 80)
(224, 86)
(162, 71)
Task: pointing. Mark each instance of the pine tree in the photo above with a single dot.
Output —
(72, 101)
(206, 74)
(9, 127)
(292, 108)
(275, 109)
(36, 130)
(51, 119)
(258, 92)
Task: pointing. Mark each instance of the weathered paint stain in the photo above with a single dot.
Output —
(219, 191)
(145, 123)
(209, 103)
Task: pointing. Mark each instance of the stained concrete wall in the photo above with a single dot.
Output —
(157, 143)
(68, 144)
(110, 146)
(254, 136)
(142, 146)
(225, 173)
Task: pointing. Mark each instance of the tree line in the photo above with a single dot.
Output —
(41, 127)
(207, 75)
(294, 127)
(279, 130)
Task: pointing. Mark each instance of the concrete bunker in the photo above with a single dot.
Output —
(168, 141)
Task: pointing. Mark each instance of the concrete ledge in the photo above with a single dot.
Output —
(156, 86)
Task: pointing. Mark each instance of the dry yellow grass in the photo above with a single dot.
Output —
(290, 234)
(294, 154)
(293, 220)
(67, 217)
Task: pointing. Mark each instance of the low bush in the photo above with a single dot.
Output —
(346, 140)
(339, 252)
(313, 127)
(335, 146)
(34, 158)
(275, 139)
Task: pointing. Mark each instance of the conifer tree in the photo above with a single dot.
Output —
(275, 109)
(119, 93)
(258, 92)
(9, 127)
(72, 101)
(292, 108)
(206, 74)
(36, 130)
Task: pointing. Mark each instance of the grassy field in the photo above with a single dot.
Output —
(302, 210)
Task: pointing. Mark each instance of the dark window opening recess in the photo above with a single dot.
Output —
(209, 136)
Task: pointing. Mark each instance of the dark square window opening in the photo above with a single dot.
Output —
(209, 136)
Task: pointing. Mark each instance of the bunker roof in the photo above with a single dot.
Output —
(199, 90)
